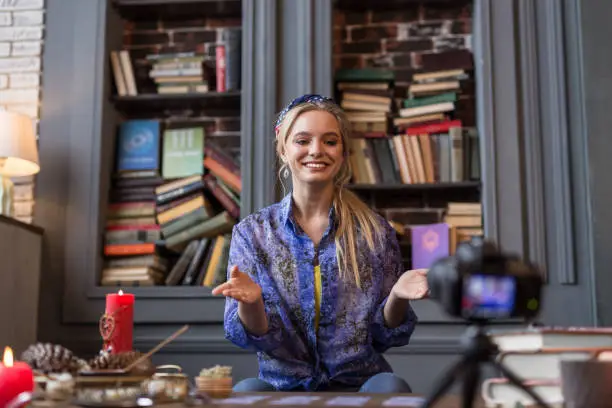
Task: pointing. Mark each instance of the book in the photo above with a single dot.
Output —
(183, 152)
(429, 243)
(538, 338)
(138, 145)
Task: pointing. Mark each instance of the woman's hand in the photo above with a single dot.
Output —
(412, 285)
(239, 286)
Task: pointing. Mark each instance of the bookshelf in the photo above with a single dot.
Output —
(175, 178)
(409, 165)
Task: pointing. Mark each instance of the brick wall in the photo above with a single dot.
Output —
(201, 35)
(419, 37)
(21, 42)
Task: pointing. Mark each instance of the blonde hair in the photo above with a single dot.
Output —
(354, 217)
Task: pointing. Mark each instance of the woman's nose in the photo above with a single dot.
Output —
(316, 148)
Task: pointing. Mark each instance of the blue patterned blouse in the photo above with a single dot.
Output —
(346, 349)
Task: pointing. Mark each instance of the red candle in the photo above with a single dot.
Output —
(119, 322)
(15, 378)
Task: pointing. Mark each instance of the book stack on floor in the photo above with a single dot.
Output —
(179, 73)
(132, 236)
(535, 355)
(466, 218)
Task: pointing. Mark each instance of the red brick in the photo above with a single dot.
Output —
(141, 26)
(405, 15)
(378, 61)
(402, 60)
(146, 39)
(457, 59)
(403, 74)
(195, 23)
(408, 45)
(461, 26)
(223, 22)
(358, 17)
(373, 32)
(362, 47)
(449, 43)
(194, 37)
(447, 10)
(341, 34)
(141, 52)
(339, 18)
(348, 61)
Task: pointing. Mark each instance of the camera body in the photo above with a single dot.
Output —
(480, 283)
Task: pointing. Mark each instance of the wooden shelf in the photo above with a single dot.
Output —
(381, 5)
(415, 187)
(156, 292)
(217, 104)
(177, 9)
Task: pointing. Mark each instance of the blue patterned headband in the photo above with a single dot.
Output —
(308, 98)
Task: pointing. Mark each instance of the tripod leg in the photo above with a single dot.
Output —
(445, 382)
(470, 384)
(516, 381)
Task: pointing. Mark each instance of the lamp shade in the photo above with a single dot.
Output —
(18, 150)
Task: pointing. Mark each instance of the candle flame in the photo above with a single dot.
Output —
(7, 359)
(120, 292)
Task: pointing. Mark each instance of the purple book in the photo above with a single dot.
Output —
(429, 243)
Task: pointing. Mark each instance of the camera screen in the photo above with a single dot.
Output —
(488, 296)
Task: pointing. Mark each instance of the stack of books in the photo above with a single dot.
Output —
(131, 238)
(432, 98)
(535, 355)
(131, 245)
(178, 73)
(466, 218)
(190, 227)
(367, 98)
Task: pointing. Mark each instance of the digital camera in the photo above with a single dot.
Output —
(480, 283)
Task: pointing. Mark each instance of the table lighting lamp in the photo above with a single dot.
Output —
(18, 154)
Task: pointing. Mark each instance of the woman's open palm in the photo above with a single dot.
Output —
(412, 285)
(239, 286)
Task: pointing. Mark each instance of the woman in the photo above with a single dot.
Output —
(316, 284)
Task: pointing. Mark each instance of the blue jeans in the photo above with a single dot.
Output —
(379, 383)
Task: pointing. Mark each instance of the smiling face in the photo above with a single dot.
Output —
(313, 149)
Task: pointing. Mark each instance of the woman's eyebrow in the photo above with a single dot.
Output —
(303, 133)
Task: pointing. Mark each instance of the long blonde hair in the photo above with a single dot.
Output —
(354, 217)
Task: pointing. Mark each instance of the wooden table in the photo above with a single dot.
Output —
(313, 400)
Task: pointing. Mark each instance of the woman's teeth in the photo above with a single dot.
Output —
(315, 165)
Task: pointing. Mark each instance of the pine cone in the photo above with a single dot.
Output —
(52, 358)
(106, 361)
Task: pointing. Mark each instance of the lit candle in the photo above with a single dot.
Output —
(119, 322)
(15, 378)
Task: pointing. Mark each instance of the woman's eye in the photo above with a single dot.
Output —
(332, 142)
(301, 142)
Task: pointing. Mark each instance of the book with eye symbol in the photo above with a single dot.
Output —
(138, 146)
